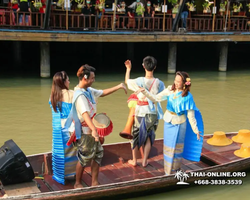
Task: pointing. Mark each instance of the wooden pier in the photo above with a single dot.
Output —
(109, 36)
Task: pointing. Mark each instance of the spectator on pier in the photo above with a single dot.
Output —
(184, 15)
(24, 10)
(138, 10)
(89, 11)
(148, 14)
(124, 17)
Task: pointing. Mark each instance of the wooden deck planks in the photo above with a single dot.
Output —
(154, 162)
(110, 172)
(119, 173)
(154, 171)
(230, 155)
(21, 189)
(220, 154)
(102, 177)
(194, 165)
(55, 186)
(141, 171)
(129, 171)
(42, 186)
(210, 148)
(86, 179)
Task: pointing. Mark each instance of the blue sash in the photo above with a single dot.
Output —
(140, 82)
(193, 147)
(73, 113)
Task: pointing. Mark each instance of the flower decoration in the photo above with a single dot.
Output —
(188, 81)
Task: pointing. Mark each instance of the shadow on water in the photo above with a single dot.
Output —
(22, 59)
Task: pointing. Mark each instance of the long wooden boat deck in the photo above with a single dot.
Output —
(116, 176)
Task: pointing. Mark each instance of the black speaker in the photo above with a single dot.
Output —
(14, 166)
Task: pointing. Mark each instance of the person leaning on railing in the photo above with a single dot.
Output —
(24, 9)
(14, 5)
(138, 10)
(184, 15)
(123, 17)
(88, 10)
(149, 12)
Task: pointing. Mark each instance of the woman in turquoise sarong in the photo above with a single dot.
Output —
(64, 158)
(182, 137)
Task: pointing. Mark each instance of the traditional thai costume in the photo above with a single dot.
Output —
(87, 147)
(180, 134)
(146, 113)
(64, 158)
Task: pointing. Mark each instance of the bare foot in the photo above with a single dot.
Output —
(95, 183)
(133, 163)
(144, 164)
(78, 185)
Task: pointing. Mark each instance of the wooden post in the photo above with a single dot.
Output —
(164, 16)
(227, 11)
(172, 51)
(114, 16)
(11, 11)
(213, 17)
(67, 18)
(45, 60)
(223, 56)
(130, 50)
(17, 56)
(47, 14)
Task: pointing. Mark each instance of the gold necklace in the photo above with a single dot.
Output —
(175, 97)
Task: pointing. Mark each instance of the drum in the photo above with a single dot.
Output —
(103, 124)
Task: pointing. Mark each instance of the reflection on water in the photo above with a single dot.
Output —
(222, 97)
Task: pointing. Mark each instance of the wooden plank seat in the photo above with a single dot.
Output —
(21, 189)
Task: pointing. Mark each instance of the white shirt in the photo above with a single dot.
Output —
(84, 105)
(132, 85)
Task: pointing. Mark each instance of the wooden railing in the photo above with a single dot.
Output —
(10, 19)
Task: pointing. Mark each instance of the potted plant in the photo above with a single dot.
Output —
(38, 4)
(237, 7)
(248, 5)
(175, 8)
(80, 4)
(191, 6)
(206, 6)
(223, 6)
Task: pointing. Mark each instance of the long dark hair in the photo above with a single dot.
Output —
(186, 89)
(56, 91)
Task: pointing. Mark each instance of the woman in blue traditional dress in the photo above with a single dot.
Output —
(64, 158)
(182, 137)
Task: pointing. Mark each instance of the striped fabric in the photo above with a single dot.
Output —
(174, 136)
(179, 140)
(64, 158)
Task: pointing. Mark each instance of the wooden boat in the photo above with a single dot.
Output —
(116, 177)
